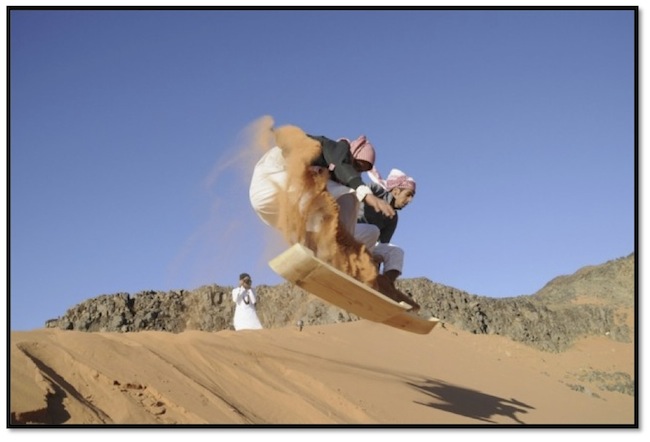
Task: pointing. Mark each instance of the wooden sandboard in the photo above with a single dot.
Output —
(299, 266)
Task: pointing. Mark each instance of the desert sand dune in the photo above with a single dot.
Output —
(359, 373)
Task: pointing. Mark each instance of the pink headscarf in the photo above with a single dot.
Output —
(362, 150)
(396, 179)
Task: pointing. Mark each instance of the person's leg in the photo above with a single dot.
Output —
(387, 288)
(393, 259)
(348, 204)
(367, 234)
(348, 209)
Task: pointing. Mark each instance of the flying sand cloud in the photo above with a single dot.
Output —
(230, 226)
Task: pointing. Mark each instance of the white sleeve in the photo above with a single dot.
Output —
(251, 293)
(362, 192)
(235, 295)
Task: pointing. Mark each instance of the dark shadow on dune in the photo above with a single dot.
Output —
(444, 396)
(471, 403)
(56, 412)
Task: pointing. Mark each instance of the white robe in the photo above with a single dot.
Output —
(245, 314)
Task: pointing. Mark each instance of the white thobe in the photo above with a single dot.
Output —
(245, 314)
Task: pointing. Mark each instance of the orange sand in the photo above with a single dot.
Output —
(352, 373)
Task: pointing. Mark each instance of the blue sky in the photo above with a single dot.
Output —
(126, 133)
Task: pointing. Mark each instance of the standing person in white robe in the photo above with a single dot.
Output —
(245, 300)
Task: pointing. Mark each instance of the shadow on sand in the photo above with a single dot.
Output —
(471, 403)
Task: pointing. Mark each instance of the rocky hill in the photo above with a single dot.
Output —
(611, 283)
(596, 300)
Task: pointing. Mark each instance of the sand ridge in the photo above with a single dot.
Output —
(359, 373)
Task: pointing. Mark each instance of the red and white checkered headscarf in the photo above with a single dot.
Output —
(361, 149)
(396, 179)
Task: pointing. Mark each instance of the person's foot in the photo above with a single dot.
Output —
(386, 287)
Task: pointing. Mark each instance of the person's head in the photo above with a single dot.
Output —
(245, 279)
(402, 187)
(363, 154)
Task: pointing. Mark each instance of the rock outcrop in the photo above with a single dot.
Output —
(596, 300)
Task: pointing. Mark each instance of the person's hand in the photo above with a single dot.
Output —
(379, 205)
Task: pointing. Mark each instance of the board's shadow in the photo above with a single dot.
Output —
(471, 403)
